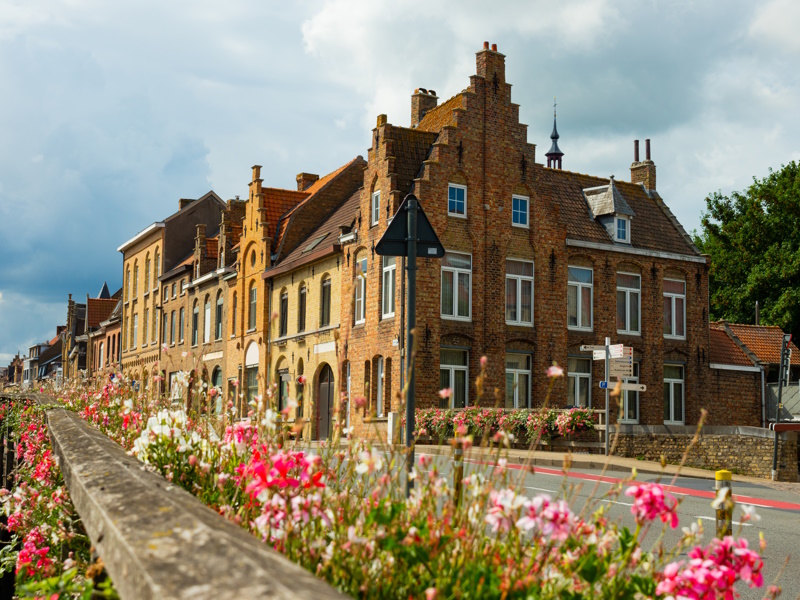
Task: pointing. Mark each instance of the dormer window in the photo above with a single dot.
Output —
(622, 228)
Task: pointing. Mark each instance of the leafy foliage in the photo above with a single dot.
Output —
(753, 239)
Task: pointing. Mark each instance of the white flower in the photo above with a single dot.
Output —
(722, 496)
(749, 513)
(270, 417)
(371, 461)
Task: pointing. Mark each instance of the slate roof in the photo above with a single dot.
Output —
(328, 230)
(652, 229)
(764, 341)
(442, 115)
(98, 310)
(725, 351)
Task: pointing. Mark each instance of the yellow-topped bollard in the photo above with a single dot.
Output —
(724, 480)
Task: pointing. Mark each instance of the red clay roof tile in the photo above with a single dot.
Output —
(764, 341)
(724, 350)
(99, 309)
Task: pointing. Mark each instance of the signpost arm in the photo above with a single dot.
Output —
(411, 269)
(608, 425)
(781, 374)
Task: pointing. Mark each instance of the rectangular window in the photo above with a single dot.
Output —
(252, 390)
(360, 299)
(621, 229)
(457, 200)
(673, 394)
(135, 333)
(284, 314)
(195, 324)
(251, 322)
(379, 394)
(628, 303)
(519, 211)
(388, 287)
(165, 328)
(457, 286)
(325, 304)
(453, 375)
(519, 292)
(579, 298)
(579, 382)
(376, 207)
(172, 329)
(674, 308)
(145, 323)
(166, 293)
(301, 311)
(283, 388)
(518, 380)
(181, 324)
(630, 399)
(174, 288)
(218, 322)
(207, 322)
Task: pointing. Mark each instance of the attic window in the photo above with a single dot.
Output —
(622, 229)
(314, 243)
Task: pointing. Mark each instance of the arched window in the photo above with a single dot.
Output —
(251, 315)
(360, 288)
(128, 284)
(135, 277)
(195, 320)
(157, 269)
(301, 310)
(147, 273)
(284, 314)
(216, 382)
(207, 320)
(218, 322)
(325, 303)
(100, 356)
(233, 314)
(181, 323)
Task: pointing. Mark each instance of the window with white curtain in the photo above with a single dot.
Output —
(519, 292)
(454, 375)
(457, 286)
(518, 380)
(579, 298)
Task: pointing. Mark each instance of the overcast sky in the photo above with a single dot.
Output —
(111, 111)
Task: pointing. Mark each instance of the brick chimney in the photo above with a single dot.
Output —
(491, 65)
(305, 180)
(422, 101)
(184, 202)
(645, 171)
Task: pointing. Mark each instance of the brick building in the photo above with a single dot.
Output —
(539, 262)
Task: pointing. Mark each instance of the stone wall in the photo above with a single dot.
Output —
(742, 450)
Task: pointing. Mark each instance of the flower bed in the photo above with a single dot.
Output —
(525, 425)
(342, 513)
(49, 550)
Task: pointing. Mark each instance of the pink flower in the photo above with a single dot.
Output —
(445, 393)
(431, 593)
(192, 460)
(301, 380)
(555, 371)
(484, 361)
(360, 401)
(650, 501)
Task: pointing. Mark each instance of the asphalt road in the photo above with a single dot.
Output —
(779, 511)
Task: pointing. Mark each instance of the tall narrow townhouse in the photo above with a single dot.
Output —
(153, 251)
(539, 261)
(276, 222)
(194, 311)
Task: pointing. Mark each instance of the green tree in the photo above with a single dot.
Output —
(753, 240)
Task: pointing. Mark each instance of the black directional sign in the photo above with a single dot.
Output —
(394, 241)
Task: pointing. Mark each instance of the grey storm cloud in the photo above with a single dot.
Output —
(112, 111)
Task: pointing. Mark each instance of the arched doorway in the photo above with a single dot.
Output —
(325, 392)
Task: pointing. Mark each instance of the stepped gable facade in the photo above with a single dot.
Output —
(540, 261)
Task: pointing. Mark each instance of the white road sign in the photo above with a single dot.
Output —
(616, 350)
(592, 348)
(633, 387)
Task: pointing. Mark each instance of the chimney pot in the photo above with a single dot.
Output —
(422, 101)
(432, 92)
(485, 45)
(635, 150)
(647, 149)
(494, 47)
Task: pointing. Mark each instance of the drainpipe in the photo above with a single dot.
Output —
(763, 399)
(402, 336)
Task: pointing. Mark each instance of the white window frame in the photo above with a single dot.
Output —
(527, 201)
(672, 296)
(207, 321)
(671, 383)
(349, 388)
(452, 371)
(575, 401)
(135, 330)
(463, 188)
(375, 207)
(456, 272)
(389, 282)
(520, 280)
(379, 391)
(252, 305)
(360, 299)
(516, 373)
(181, 323)
(628, 291)
(627, 221)
(579, 286)
(627, 395)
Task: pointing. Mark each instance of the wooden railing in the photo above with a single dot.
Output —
(157, 540)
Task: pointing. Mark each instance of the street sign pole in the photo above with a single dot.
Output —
(782, 374)
(608, 357)
(411, 268)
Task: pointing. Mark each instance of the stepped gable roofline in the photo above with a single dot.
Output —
(441, 116)
(654, 231)
(329, 244)
(317, 190)
(764, 341)
(725, 351)
(607, 200)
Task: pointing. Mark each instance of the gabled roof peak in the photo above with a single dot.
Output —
(607, 200)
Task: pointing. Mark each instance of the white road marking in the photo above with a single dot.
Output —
(530, 487)
(715, 520)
